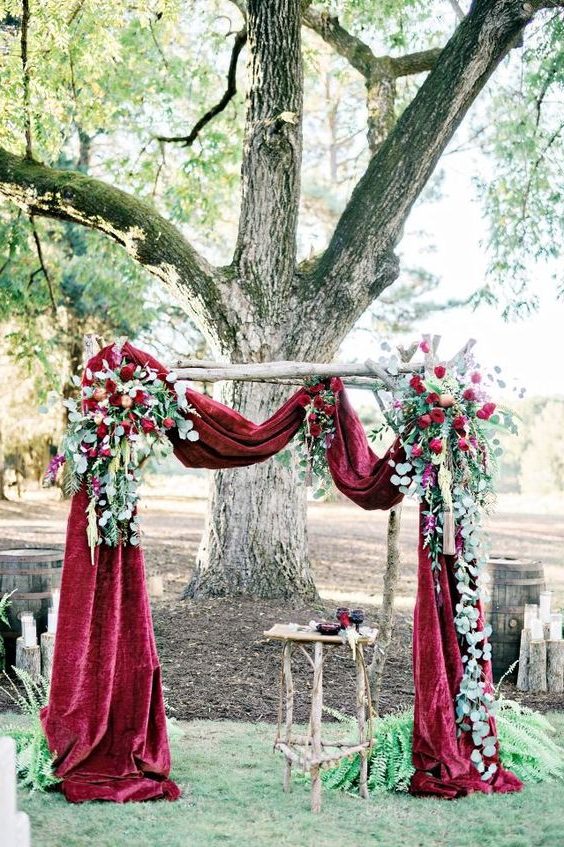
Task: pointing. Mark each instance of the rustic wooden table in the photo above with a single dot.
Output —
(310, 752)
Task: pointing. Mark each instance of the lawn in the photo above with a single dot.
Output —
(232, 795)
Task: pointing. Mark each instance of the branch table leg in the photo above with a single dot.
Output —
(316, 712)
(361, 718)
(289, 683)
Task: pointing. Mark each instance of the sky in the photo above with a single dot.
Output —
(530, 351)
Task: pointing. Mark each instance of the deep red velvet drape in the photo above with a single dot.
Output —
(105, 719)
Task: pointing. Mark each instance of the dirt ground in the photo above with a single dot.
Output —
(216, 663)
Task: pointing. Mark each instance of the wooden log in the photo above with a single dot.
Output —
(537, 666)
(315, 724)
(28, 658)
(289, 684)
(523, 671)
(555, 666)
(47, 642)
(361, 720)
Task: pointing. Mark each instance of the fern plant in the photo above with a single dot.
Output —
(4, 603)
(525, 738)
(34, 760)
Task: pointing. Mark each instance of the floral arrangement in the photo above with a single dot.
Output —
(317, 433)
(124, 415)
(447, 425)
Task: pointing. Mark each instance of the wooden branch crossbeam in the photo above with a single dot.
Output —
(275, 371)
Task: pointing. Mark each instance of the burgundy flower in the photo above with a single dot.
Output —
(436, 445)
(147, 425)
(440, 371)
(329, 409)
(126, 373)
(469, 394)
(424, 421)
(463, 444)
(318, 402)
(115, 399)
(432, 398)
(415, 381)
(312, 418)
(416, 450)
(315, 430)
(110, 386)
(459, 422)
(304, 400)
(168, 423)
(101, 430)
(489, 408)
(437, 416)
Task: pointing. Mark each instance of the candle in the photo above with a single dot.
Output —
(8, 789)
(52, 617)
(544, 606)
(531, 612)
(29, 630)
(556, 626)
(55, 600)
(537, 633)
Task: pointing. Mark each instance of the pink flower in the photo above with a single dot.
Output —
(463, 444)
(489, 408)
(147, 425)
(482, 415)
(469, 394)
(425, 346)
(436, 445)
(168, 423)
(312, 418)
(416, 451)
(476, 377)
(459, 422)
(424, 421)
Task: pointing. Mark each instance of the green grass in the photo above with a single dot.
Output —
(232, 796)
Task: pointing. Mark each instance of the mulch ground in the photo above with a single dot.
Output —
(216, 662)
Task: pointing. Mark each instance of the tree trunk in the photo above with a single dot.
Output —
(255, 541)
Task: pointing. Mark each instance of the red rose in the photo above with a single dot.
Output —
(482, 415)
(437, 415)
(459, 422)
(489, 408)
(90, 405)
(420, 388)
(416, 451)
(105, 451)
(168, 423)
(463, 444)
(440, 371)
(424, 421)
(318, 402)
(110, 386)
(432, 398)
(101, 430)
(469, 394)
(335, 383)
(315, 430)
(147, 425)
(92, 452)
(141, 397)
(304, 400)
(476, 377)
(126, 372)
(115, 399)
(126, 424)
(329, 409)
(425, 347)
(315, 389)
(312, 418)
(436, 445)
(415, 380)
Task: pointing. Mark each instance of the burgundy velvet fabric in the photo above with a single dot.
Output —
(105, 719)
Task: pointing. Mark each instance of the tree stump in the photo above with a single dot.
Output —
(555, 666)
(537, 666)
(523, 672)
(47, 650)
(28, 659)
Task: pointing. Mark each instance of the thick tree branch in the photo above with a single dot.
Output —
(359, 262)
(148, 237)
(229, 94)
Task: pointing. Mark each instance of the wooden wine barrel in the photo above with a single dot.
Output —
(34, 572)
(513, 583)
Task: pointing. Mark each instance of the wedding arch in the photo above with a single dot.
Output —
(105, 721)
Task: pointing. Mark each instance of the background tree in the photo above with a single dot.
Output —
(130, 77)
